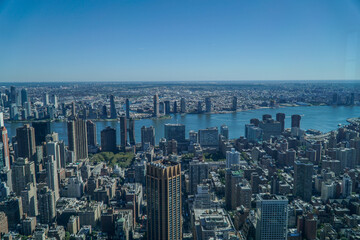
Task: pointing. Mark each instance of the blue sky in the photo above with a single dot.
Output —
(182, 40)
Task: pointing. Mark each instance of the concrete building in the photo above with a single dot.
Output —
(108, 139)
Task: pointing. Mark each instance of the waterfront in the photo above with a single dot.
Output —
(323, 118)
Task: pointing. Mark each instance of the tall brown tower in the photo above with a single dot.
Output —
(163, 189)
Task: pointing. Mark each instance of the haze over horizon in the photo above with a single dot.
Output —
(179, 40)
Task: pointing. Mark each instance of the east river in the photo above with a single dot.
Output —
(322, 118)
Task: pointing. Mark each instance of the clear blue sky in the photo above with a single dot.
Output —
(183, 40)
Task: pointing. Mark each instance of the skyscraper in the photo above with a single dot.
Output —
(23, 172)
(25, 137)
(303, 170)
(224, 131)
(47, 205)
(280, 117)
(234, 103)
(295, 121)
(113, 114)
(123, 132)
(232, 157)
(175, 107)
(147, 136)
(41, 128)
(156, 105)
(91, 133)
(198, 171)
(52, 176)
(182, 105)
(53, 149)
(54, 100)
(232, 178)
(6, 152)
(167, 107)
(77, 138)
(127, 108)
(131, 131)
(272, 217)
(46, 101)
(175, 131)
(208, 105)
(199, 107)
(163, 190)
(24, 96)
(108, 139)
(346, 186)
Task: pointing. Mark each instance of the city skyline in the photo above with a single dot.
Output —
(179, 41)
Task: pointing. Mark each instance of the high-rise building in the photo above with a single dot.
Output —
(5, 149)
(23, 172)
(208, 105)
(270, 127)
(108, 139)
(46, 100)
(47, 205)
(41, 128)
(77, 138)
(303, 170)
(346, 186)
(295, 120)
(175, 107)
(131, 131)
(167, 107)
(253, 133)
(232, 178)
(147, 136)
(209, 137)
(54, 101)
(123, 132)
(198, 171)
(280, 117)
(182, 105)
(52, 176)
(12, 94)
(25, 137)
(91, 133)
(232, 157)
(175, 131)
(224, 131)
(127, 108)
(53, 149)
(199, 107)
(272, 217)
(113, 114)
(156, 106)
(163, 191)
(234, 103)
(29, 200)
(73, 109)
(24, 96)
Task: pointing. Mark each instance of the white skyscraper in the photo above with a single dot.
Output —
(272, 217)
(232, 157)
(52, 177)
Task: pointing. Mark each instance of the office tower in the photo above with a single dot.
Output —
(77, 138)
(208, 105)
(280, 117)
(108, 139)
(224, 131)
(175, 131)
(270, 127)
(243, 194)
(199, 107)
(175, 107)
(346, 187)
(123, 132)
(104, 113)
(54, 101)
(47, 205)
(127, 108)
(13, 210)
(232, 178)
(303, 170)
(253, 133)
(91, 133)
(2, 119)
(22, 172)
(25, 137)
(272, 217)
(131, 131)
(234, 103)
(295, 121)
(163, 191)
(156, 106)
(28, 109)
(73, 109)
(41, 128)
(29, 200)
(113, 114)
(52, 176)
(13, 94)
(46, 101)
(182, 105)
(167, 107)
(209, 137)
(198, 171)
(232, 157)
(53, 149)
(193, 136)
(147, 136)
(5, 149)
(24, 97)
